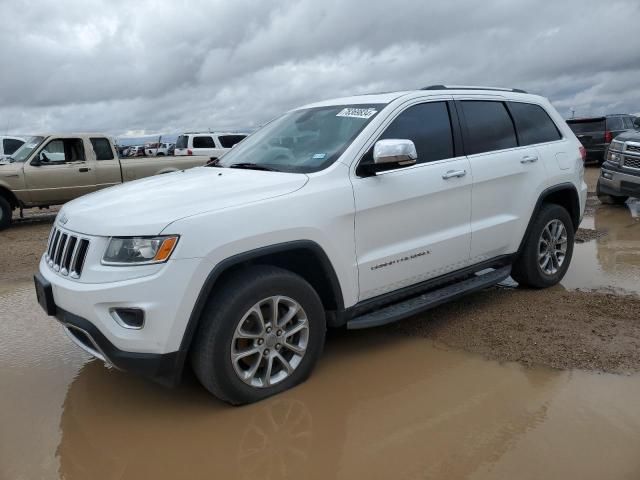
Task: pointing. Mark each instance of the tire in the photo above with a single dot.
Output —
(230, 308)
(6, 213)
(527, 269)
(607, 199)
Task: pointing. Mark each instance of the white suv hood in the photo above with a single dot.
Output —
(145, 207)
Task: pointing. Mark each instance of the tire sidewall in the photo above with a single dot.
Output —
(285, 285)
(5, 213)
(550, 213)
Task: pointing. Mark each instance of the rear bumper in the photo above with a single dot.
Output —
(164, 369)
(614, 181)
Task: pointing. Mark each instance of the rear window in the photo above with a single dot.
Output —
(10, 145)
(182, 142)
(533, 124)
(102, 147)
(489, 126)
(615, 123)
(228, 141)
(203, 142)
(586, 126)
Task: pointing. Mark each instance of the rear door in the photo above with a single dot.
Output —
(206, 145)
(106, 163)
(506, 177)
(182, 145)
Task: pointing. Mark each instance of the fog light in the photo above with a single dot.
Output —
(132, 318)
(607, 175)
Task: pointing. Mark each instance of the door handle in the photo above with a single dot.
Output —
(454, 174)
(84, 169)
(529, 159)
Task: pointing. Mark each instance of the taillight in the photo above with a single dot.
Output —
(583, 153)
(189, 152)
(607, 136)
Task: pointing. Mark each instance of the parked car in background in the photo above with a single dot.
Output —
(158, 149)
(136, 151)
(355, 212)
(620, 173)
(8, 145)
(52, 169)
(172, 149)
(209, 144)
(596, 133)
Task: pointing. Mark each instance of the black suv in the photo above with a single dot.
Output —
(596, 133)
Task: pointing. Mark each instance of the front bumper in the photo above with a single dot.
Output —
(618, 182)
(167, 297)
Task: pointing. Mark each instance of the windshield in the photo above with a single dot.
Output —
(25, 150)
(303, 141)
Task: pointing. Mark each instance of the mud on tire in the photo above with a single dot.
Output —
(5, 213)
(533, 267)
(235, 321)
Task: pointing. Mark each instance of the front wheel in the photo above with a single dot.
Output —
(547, 250)
(261, 333)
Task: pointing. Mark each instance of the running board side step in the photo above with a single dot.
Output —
(425, 301)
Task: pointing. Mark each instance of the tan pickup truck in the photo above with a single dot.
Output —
(52, 169)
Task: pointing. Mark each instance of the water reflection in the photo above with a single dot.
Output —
(612, 261)
(378, 408)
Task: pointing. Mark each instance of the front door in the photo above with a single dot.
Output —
(413, 223)
(59, 172)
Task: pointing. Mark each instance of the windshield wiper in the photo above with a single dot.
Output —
(253, 166)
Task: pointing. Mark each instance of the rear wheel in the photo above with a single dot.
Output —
(261, 333)
(5, 213)
(547, 250)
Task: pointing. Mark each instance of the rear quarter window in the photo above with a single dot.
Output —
(489, 126)
(102, 148)
(615, 123)
(533, 124)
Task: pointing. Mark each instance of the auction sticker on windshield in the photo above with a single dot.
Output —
(357, 112)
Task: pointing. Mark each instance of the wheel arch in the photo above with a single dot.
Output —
(9, 196)
(565, 195)
(303, 257)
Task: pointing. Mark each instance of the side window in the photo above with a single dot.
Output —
(203, 142)
(533, 124)
(63, 150)
(102, 147)
(182, 141)
(628, 122)
(228, 141)
(489, 126)
(10, 145)
(615, 123)
(428, 126)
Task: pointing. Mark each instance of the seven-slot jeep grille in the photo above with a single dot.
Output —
(66, 252)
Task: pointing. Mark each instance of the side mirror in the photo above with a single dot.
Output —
(402, 152)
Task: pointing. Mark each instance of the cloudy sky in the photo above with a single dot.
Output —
(132, 67)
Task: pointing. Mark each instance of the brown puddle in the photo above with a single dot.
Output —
(379, 406)
(611, 262)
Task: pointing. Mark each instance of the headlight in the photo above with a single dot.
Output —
(614, 157)
(616, 146)
(139, 250)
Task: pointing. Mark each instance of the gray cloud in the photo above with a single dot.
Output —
(150, 66)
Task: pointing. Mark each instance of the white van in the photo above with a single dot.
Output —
(209, 144)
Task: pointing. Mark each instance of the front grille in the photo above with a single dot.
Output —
(631, 162)
(66, 252)
(633, 148)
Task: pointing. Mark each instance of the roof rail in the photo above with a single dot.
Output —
(468, 87)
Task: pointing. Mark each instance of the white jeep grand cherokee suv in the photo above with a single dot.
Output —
(354, 212)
